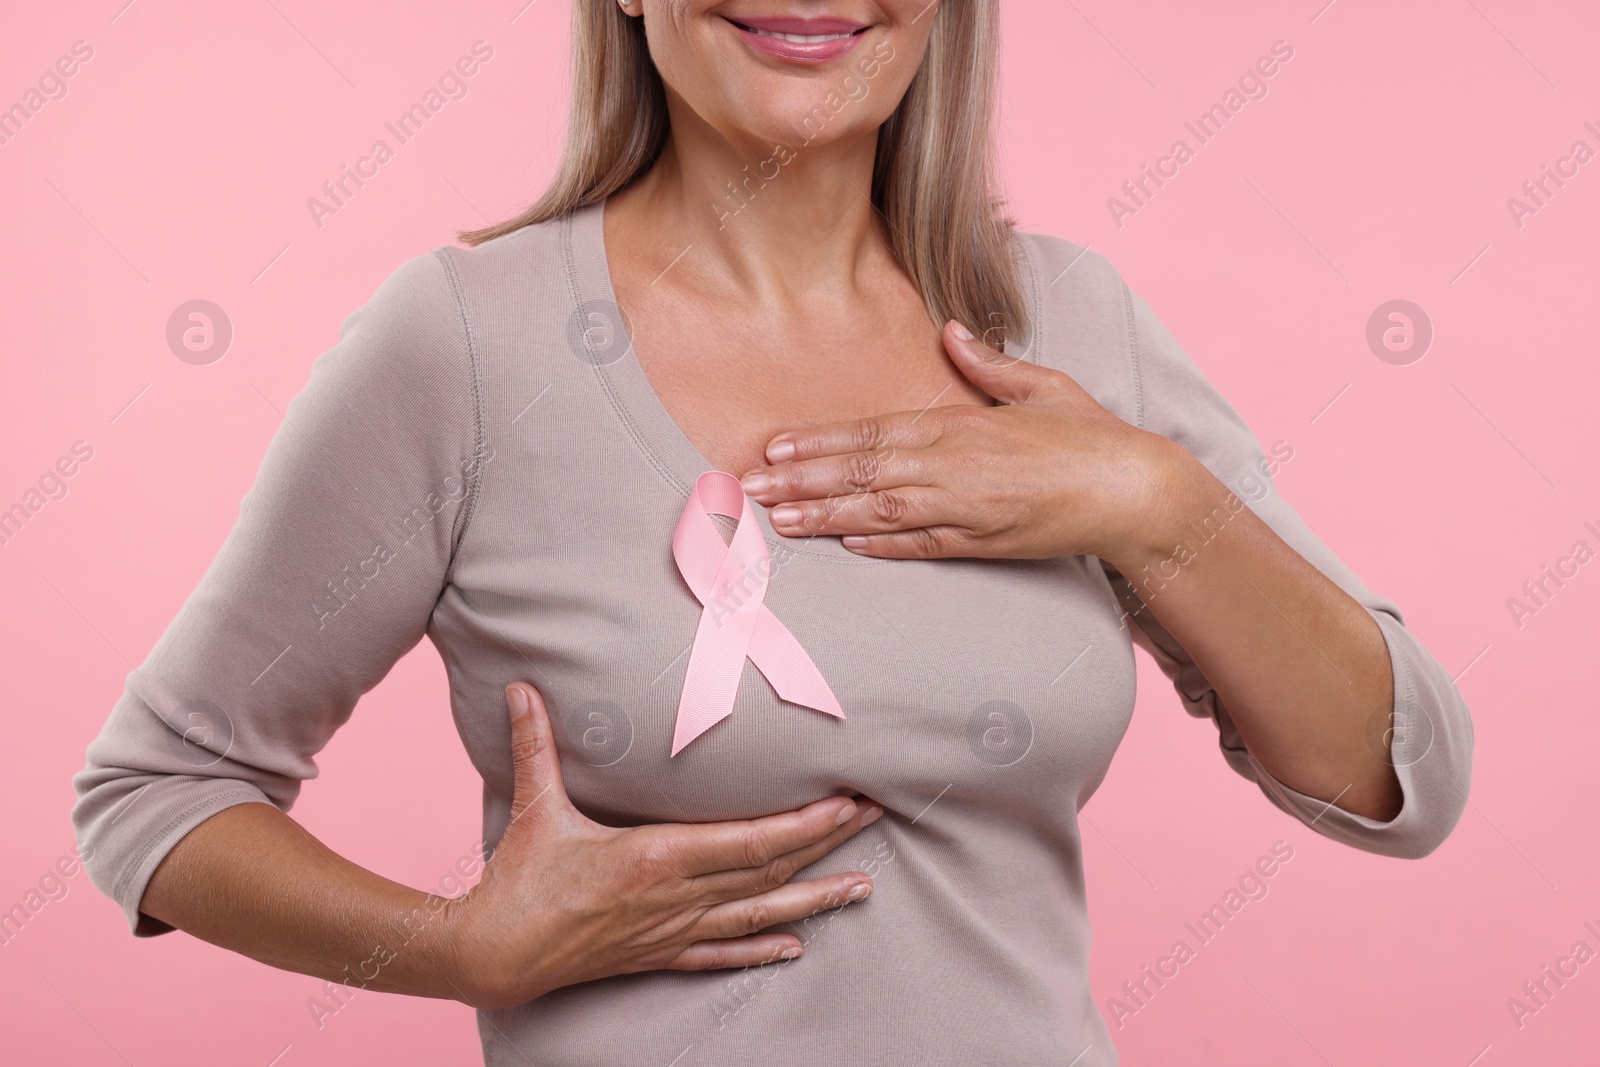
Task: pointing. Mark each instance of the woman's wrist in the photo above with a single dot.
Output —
(485, 978)
(1176, 493)
(492, 969)
(431, 933)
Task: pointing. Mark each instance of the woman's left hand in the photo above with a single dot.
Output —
(1050, 472)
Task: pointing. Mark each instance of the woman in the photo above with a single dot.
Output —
(949, 546)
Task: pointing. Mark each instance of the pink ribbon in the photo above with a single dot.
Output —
(730, 580)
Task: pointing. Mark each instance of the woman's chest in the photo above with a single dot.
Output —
(732, 385)
(989, 679)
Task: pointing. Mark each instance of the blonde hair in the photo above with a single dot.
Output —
(933, 181)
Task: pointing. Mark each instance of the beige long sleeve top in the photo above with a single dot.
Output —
(480, 459)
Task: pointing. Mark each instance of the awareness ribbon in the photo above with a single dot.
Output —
(730, 581)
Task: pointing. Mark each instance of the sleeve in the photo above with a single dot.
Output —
(330, 574)
(1428, 736)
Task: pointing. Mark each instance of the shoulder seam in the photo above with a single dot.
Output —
(1133, 352)
(469, 504)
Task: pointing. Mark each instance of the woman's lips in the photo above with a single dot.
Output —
(800, 40)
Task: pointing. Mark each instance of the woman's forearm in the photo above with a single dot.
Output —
(1301, 666)
(251, 879)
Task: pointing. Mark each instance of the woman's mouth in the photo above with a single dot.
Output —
(799, 40)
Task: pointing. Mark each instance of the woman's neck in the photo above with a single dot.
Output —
(774, 225)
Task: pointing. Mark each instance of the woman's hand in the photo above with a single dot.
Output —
(565, 899)
(1048, 473)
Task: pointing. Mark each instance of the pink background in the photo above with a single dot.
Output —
(1378, 167)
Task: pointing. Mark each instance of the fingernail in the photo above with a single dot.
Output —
(780, 451)
(859, 890)
(789, 953)
(963, 333)
(517, 697)
(873, 814)
(854, 541)
(844, 814)
(786, 515)
(755, 483)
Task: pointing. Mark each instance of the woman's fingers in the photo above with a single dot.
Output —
(736, 952)
(839, 475)
(927, 542)
(883, 511)
(720, 886)
(641, 897)
(538, 793)
(900, 429)
(785, 904)
(701, 848)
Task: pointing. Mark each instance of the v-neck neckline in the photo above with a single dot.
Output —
(675, 457)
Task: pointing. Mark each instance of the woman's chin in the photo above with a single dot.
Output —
(801, 121)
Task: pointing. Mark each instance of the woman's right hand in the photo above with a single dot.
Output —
(565, 899)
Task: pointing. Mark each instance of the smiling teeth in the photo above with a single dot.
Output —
(795, 38)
